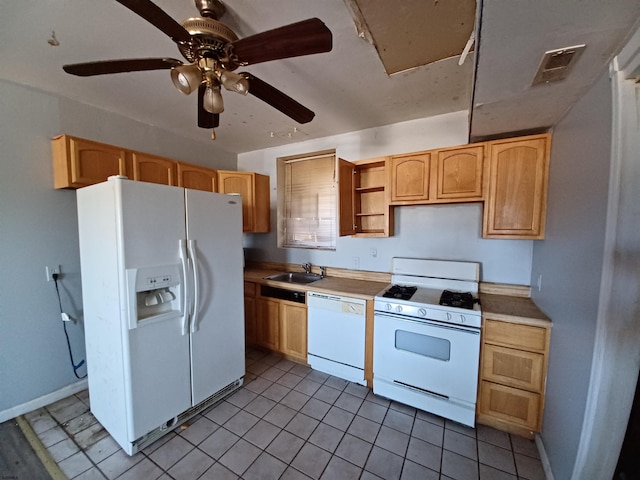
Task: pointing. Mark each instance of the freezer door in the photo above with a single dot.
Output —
(157, 367)
(214, 233)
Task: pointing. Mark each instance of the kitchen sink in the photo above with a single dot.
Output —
(295, 277)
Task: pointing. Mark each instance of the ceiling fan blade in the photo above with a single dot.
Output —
(278, 100)
(295, 40)
(119, 66)
(206, 119)
(158, 18)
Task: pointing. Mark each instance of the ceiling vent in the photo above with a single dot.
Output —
(556, 64)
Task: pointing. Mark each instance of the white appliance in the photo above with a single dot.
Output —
(336, 335)
(162, 286)
(427, 337)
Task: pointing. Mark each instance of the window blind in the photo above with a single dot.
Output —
(310, 202)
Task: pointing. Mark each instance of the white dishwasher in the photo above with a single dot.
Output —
(336, 335)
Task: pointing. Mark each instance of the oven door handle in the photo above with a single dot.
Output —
(431, 323)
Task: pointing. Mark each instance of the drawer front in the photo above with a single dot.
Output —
(510, 404)
(527, 337)
(249, 289)
(511, 367)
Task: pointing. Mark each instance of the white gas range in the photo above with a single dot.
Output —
(427, 337)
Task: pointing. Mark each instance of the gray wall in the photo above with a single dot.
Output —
(38, 227)
(570, 261)
(451, 232)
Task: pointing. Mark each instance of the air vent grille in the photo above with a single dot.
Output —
(556, 64)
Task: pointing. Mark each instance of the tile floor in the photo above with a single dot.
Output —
(290, 422)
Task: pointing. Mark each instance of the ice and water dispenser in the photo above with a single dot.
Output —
(154, 293)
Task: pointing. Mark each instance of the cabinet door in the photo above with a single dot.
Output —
(527, 337)
(78, 162)
(267, 323)
(250, 313)
(515, 206)
(511, 405)
(347, 220)
(409, 178)
(240, 183)
(197, 178)
(459, 174)
(149, 168)
(512, 367)
(293, 330)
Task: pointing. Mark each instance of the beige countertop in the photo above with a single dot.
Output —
(336, 285)
(513, 309)
(498, 307)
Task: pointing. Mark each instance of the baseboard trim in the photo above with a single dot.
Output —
(544, 459)
(44, 400)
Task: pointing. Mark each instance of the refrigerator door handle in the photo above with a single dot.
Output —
(186, 291)
(193, 255)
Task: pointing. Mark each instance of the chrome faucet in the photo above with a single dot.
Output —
(323, 272)
(307, 267)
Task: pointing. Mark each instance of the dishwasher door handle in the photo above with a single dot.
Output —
(324, 296)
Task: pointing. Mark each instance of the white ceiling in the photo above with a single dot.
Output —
(347, 88)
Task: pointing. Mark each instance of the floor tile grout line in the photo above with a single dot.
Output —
(341, 387)
(72, 437)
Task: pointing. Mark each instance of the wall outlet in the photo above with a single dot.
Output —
(356, 263)
(50, 270)
(373, 252)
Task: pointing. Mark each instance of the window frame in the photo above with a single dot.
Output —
(282, 191)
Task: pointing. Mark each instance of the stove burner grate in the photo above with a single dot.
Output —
(402, 292)
(457, 299)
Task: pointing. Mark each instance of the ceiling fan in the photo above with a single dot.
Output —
(213, 53)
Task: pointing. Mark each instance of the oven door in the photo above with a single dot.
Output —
(436, 358)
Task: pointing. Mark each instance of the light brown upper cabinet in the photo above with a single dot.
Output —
(197, 177)
(458, 174)
(409, 178)
(152, 169)
(364, 198)
(516, 203)
(437, 176)
(78, 163)
(254, 189)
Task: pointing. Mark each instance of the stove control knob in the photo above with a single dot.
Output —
(422, 312)
(462, 319)
(399, 308)
(389, 306)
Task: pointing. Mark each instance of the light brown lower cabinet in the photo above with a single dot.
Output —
(278, 325)
(513, 371)
(250, 313)
(293, 331)
(268, 323)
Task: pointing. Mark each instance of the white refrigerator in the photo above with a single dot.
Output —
(162, 287)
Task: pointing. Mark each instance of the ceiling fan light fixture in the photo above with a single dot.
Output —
(234, 82)
(212, 101)
(186, 78)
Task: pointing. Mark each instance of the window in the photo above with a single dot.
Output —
(307, 201)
